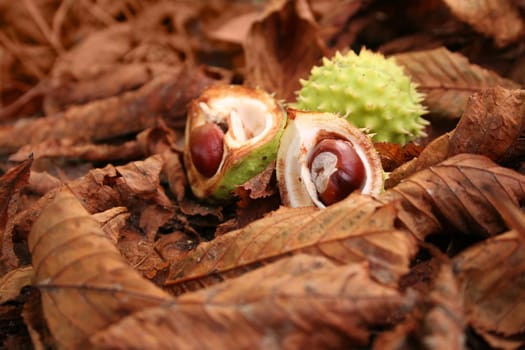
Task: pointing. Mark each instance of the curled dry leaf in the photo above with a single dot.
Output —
(13, 281)
(42, 182)
(394, 155)
(10, 185)
(173, 171)
(454, 194)
(448, 79)
(112, 221)
(296, 303)
(135, 185)
(355, 229)
(85, 283)
(282, 47)
(492, 125)
(499, 19)
(434, 153)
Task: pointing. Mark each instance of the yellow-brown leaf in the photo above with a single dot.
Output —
(448, 79)
(499, 19)
(85, 283)
(301, 302)
(453, 194)
(356, 229)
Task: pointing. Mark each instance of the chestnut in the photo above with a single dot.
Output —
(206, 148)
(336, 170)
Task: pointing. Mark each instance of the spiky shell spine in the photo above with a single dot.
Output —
(370, 91)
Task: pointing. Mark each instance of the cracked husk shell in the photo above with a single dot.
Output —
(252, 121)
(303, 132)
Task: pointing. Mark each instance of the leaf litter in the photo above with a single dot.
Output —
(103, 244)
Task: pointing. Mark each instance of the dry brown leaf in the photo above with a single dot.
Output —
(135, 186)
(249, 210)
(85, 283)
(150, 141)
(173, 171)
(333, 17)
(496, 341)
(69, 148)
(443, 324)
(10, 185)
(13, 281)
(41, 182)
(394, 155)
(120, 57)
(435, 152)
(95, 54)
(35, 322)
(160, 139)
(492, 282)
(172, 246)
(140, 254)
(448, 79)
(356, 229)
(94, 69)
(259, 186)
(256, 198)
(499, 19)
(236, 29)
(297, 303)
(282, 47)
(492, 125)
(438, 322)
(112, 221)
(116, 79)
(113, 116)
(453, 195)
(168, 143)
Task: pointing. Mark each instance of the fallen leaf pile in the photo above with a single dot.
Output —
(104, 246)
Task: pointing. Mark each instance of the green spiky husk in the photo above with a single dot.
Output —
(370, 91)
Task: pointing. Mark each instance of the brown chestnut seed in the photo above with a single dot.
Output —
(206, 148)
(336, 170)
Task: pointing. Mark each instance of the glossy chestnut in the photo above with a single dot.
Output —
(336, 170)
(207, 148)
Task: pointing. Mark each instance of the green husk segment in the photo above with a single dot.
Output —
(370, 91)
(248, 167)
